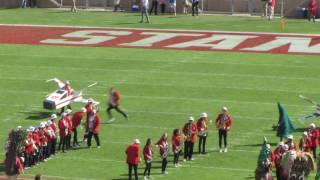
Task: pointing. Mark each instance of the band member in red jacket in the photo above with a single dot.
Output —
(305, 143)
(63, 131)
(114, 103)
(76, 120)
(133, 158)
(277, 157)
(148, 157)
(70, 91)
(313, 133)
(69, 122)
(313, 8)
(93, 126)
(28, 149)
(223, 124)
(290, 143)
(202, 125)
(176, 146)
(164, 151)
(53, 126)
(190, 131)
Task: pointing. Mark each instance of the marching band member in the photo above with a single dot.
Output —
(133, 158)
(76, 120)
(290, 143)
(277, 157)
(164, 151)
(69, 122)
(176, 146)
(189, 130)
(43, 141)
(93, 126)
(313, 133)
(70, 91)
(223, 124)
(202, 125)
(305, 143)
(48, 135)
(114, 103)
(313, 8)
(63, 131)
(53, 126)
(147, 153)
(28, 149)
(36, 140)
(89, 108)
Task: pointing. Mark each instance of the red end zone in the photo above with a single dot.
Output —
(161, 39)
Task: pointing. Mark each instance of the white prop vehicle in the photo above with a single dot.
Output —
(60, 98)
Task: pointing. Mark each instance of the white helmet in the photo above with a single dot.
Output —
(290, 137)
(68, 111)
(191, 118)
(136, 141)
(67, 82)
(204, 115)
(90, 100)
(53, 116)
(312, 125)
(224, 108)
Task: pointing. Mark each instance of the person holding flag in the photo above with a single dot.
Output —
(264, 165)
(284, 127)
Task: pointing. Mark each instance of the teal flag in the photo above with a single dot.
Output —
(264, 153)
(285, 127)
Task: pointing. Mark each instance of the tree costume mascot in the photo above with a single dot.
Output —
(264, 168)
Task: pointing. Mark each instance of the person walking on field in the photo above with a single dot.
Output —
(114, 103)
(313, 8)
(162, 6)
(176, 146)
(144, 10)
(164, 151)
(223, 124)
(73, 7)
(93, 126)
(195, 8)
(133, 158)
(116, 5)
(148, 156)
(154, 6)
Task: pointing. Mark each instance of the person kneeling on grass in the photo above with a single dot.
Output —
(147, 153)
(133, 158)
(164, 151)
(93, 126)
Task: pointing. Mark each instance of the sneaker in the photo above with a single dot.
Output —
(145, 178)
(98, 147)
(164, 172)
(191, 159)
(150, 177)
(176, 165)
(111, 120)
(179, 165)
(225, 150)
(184, 160)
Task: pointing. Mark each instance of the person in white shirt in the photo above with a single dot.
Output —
(144, 10)
(73, 7)
(116, 5)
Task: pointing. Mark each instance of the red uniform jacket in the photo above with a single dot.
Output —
(313, 7)
(62, 128)
(314, 137)
(96, 124)
(76, 119)
(36, 139)
(133, 152)
(42, 137)
(68, 119)
(147, 153)
(277, 156)
(163, 146)
(305, 145)
(53, 127)
(89, 107)
(202, 125)
(194, 131)
(176, 143)
(28, 149)
(115, 98)
(224, 122)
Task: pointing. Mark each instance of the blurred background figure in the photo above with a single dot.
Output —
(154, 6)
(73, 7)
(313, 8)
(116, 5)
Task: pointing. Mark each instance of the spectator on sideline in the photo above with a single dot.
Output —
(162, 6)
(164, 151)
(148, 156)
(313, 8)
(24, 3)
(154, 6)
(116, 5)
(271, 5)
(73, 7)
(173, 7)
(195, 8)
(189, 130)
(144, 10)
(186, 6)
(133, 158)
(33, 3)
(223, 124)
(114, 102)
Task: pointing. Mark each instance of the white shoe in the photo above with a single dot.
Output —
(191, 159)
(98, 147)
(176, 165)
(145, 178)
(150, 177)
(164, 172)
(179, 165)
(184, 160)
(225, 150)
(220, 150)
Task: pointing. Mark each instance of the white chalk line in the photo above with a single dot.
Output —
(162, 72)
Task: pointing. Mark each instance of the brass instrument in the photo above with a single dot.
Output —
(203, 131)
(189, 132)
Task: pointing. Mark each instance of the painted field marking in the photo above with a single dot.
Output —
(161, 39)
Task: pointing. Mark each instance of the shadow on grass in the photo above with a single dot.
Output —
(36, 115)
(1, 169)
(255, 145)
(300, 129)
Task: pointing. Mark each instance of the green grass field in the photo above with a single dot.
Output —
(160, 90)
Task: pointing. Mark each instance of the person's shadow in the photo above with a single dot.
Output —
(1, 169)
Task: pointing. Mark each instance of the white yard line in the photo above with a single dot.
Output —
(207, 75)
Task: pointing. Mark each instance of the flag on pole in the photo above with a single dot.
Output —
(285, 126)
(264, 152)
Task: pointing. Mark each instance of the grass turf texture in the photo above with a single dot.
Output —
(160, 89)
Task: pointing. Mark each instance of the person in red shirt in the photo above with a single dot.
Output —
(305, 143)
(28, 150)
(133, 158)
(63, 131)
(53, 127)
(313, 8)
(223, 124)
(176, 146)
(36, 140)
(69, 128)
(114, 103)
(190, 131)
(277, 157)
(290, 143)
(164, 151)
(148, 157)
(202, 125)
(313, 133)
(76, 120)
(70, 91)
(93, 126)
